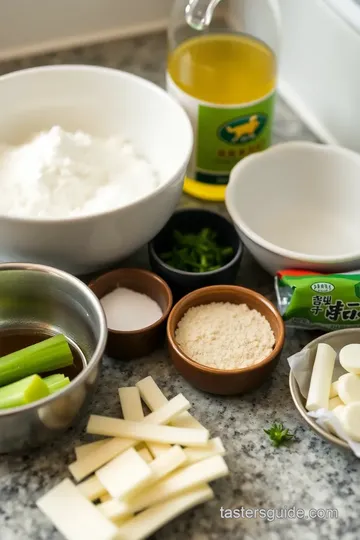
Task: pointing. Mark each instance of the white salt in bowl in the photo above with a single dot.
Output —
(296, 205)
(102, 102)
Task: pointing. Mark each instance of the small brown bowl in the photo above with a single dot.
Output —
(126, 345)
(219, 381)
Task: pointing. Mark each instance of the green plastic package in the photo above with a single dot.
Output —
(317, 301)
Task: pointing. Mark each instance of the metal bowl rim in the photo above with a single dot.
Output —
(100, 347)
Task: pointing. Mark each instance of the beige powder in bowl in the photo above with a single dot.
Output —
(225, 336)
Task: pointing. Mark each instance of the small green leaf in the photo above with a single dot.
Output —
(279, 435)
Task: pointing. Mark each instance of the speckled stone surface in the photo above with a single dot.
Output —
(309, 474)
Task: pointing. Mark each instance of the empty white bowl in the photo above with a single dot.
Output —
(101, 102)
(296, 205)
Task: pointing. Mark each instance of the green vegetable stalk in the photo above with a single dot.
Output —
(22, 392)
(48, 355)
(56, 382)
(197, 252)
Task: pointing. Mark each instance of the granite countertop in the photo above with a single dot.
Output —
(309, 474)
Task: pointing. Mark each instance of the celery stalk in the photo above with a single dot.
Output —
(56, 382)
(51, 379)
(48, 355)
(22, 392)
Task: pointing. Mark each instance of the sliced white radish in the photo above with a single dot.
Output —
(92, 488)
(349, 388)
(74, 516)
(349, 358)
(124, 474)
(132, 410)
(114, 509)
(338, 412)
(112, 427)
(113, 447)
(350, 418)
(184, 479)
(213, 448)
(105, 498)
(154, 399)
(145, 455)
(146, 523)
(166, 463)
(87, 465)
(333, 390)
(131, 403)
(335, 402)
(86, 449)
(321, 377)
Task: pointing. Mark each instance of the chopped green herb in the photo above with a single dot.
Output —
(197, 252)
(279, 435)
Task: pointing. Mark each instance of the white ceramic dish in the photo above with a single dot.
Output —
(337, 340)
(102, 102)
(296, 205)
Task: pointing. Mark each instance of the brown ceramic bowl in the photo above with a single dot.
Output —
(218, 381)
(126, 345)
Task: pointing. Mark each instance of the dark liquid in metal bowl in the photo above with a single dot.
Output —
(14, 340)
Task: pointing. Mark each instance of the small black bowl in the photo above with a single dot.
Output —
(192, 220)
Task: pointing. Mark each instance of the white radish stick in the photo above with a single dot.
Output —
(144, 453)
(214, 447)
(146, 523)
(112, 427)
(132, 410)
(74, 516)
(131, 404)
(166, 463)
(113, 447)
(160, 467)
(124, 474)
(184, 479)
(154, 399)
(321, 377)
(92, 488)
(139, 431)
(86, 449)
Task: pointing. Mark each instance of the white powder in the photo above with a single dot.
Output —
(225, 336)
(59, 174)
(129, 310)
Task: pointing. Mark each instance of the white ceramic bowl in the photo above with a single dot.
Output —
(296, 205)
(102, 102)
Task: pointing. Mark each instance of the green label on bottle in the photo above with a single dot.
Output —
(226, 135)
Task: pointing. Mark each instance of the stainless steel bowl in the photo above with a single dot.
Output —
(44, 299)
(337, 340)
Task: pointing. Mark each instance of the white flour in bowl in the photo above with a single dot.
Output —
(59, 174)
